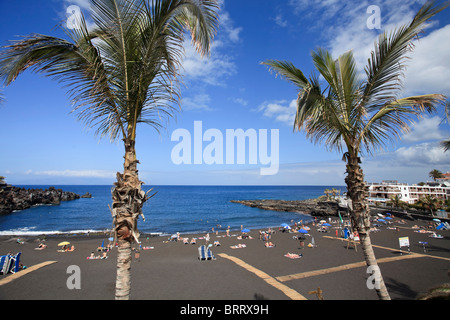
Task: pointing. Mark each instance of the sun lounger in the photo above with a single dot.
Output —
(15, 263)
(10, 263)
(209, 255)
(202, 253)
(5, 263)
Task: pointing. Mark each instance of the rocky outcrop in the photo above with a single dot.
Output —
(311, 206)
(87, 195)
(15, 198)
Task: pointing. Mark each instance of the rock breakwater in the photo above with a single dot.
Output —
(311, 206)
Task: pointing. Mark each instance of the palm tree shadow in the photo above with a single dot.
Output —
(400, 289)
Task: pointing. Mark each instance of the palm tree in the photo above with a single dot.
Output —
(430, 203)
(327, 193)
(396, 201)
(353, 116)
(435, 174)
(121, 73)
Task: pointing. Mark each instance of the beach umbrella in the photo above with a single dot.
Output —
(302, 231)
(284, 225)
(382, 220)
(65, 243)
(245, 230)
(388, 218)
(437, 220)
(326, 225)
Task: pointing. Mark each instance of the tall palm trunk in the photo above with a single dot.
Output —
(357, 192)
(128, 199)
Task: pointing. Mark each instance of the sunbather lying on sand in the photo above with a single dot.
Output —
(238, 246)
(41, 247)
(293, 255)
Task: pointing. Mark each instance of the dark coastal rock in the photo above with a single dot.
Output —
(87, 195)
(15, 198)
(311, 206)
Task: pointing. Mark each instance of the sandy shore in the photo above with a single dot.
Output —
(172, 270)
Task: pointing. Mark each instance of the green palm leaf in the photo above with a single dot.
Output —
(124, 71)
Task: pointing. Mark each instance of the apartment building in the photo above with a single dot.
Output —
(386, 190)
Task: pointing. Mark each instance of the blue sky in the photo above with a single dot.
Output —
(43, 143)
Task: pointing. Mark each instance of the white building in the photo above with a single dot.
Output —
(386, 190)
(445, 179)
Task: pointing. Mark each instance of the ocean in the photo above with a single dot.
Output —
(184, 209)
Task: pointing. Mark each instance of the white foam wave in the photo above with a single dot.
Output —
(32, 232)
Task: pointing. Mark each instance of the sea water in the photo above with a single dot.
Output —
(184, 209)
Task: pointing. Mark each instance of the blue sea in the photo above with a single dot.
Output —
(184, 209)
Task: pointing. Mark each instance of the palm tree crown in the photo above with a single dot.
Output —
(362, 115)
(124, 70)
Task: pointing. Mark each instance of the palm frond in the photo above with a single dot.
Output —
(387, 62)
(288, 71)
(445, 145)
(393, 119)
(125, 70)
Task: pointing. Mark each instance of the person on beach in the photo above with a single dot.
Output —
(228, 231)
(302, 241)
(41, 246)
(207, 238)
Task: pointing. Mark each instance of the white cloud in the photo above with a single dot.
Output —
(210, 70)
(72, 10)
(240, 101)
(83, 4)
(227, 26)
(215, 69)
(75, 173)
(198, 102)
(429, 68)
(280, 21)
(424, 130)
(423, 154)
(281, 111)
(428, 71)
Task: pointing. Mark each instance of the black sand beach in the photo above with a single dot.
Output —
(173, 271)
